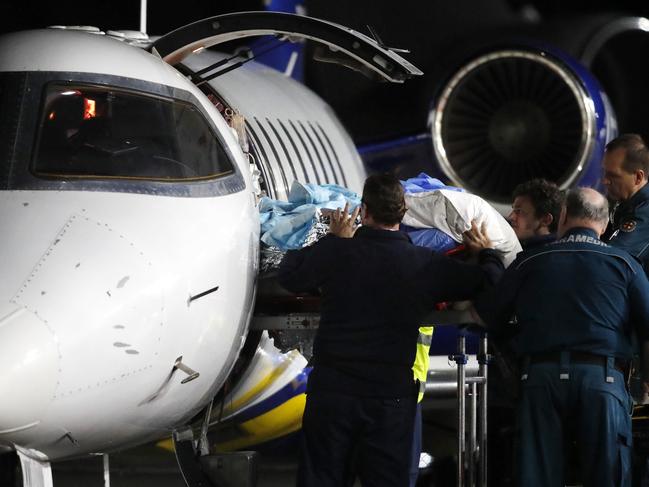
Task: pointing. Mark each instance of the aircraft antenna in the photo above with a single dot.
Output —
(291, 64)
(143, 16)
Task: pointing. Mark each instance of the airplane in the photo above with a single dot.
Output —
(128, 310)
(131, 174)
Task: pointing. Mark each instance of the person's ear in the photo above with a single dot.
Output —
(639, 176)
(602, 229)
(364, 214)
(546, 220)
(563, 219)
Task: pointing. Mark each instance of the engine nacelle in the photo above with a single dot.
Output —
(514, 114)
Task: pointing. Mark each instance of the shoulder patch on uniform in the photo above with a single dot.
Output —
(628, 226)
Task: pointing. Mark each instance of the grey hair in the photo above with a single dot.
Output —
(586, 204)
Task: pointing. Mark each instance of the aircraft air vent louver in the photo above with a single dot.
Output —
(510, 116)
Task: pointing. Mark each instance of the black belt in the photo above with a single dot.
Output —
(577, 358)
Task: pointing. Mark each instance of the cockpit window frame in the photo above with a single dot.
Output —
(30, 87)
(49, 89)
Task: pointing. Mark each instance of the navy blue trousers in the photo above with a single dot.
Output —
(416, 447)
(585, 405)
(345, 435)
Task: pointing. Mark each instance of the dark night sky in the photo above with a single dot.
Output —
(124, 14)
(113, 14)
(431, 29)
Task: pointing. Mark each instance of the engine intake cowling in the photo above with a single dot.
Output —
(511, 115)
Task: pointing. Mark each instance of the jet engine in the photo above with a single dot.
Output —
(514, 114)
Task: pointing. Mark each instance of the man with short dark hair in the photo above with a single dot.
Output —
(535, 212)
(376, 288)
(626, 169)
(573, 304)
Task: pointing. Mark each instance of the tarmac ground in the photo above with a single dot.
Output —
(149, 465)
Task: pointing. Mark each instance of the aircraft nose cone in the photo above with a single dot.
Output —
(29, 369)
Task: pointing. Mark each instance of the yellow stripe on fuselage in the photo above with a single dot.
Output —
(255, 391)
(280, 421)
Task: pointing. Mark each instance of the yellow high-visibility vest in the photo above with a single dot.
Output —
(422, 359)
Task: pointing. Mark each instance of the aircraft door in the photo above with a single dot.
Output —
(361, 53)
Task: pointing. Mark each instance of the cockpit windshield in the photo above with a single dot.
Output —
(94, 131)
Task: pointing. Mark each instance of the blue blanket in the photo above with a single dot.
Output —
(286, 224)
(423, 182)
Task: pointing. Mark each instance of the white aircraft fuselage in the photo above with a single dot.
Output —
(130, 239)
(95, 296)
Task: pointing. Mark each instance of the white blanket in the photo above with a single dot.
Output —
(452, 213)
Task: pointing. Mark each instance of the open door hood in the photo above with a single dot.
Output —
(340, 44)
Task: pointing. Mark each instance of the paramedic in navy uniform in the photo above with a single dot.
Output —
(573, 303)
(626, 168)
(376, 288)
(534, 218)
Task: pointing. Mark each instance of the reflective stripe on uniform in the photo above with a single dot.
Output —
(425, 340)
(422, 359)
